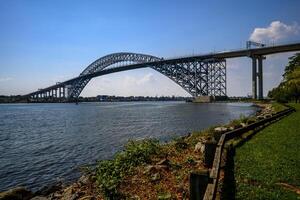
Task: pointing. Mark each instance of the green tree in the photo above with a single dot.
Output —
(294, 62)
(293, 84)
(289, 88)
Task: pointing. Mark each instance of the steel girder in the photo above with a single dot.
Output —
(197, 77)
(105, 62)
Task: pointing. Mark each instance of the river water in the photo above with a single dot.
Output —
(43, 143)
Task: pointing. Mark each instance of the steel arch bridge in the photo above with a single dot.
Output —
(199, 77)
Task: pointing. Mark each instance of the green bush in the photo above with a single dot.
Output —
(109, 173)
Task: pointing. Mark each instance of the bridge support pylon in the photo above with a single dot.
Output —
(260, 77)
(257, 76)
(254, 79)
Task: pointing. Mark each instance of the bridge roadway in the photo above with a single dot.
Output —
(257, 55)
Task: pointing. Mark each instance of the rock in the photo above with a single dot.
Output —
(74, 197)
(243, 124)
(260, 117)
(268, 115)
(89, 197)
(164, 196)
(68, 193)
(149, 169)
(18, 193)
(236, 126)
(220, 129)
(135, 197)
(39, 198)
(164, 161)
(199, 147)
(56, 195)
(155, 177)
(84, 180)
(181, 145)
(45, 191)
(251, 121)
(231, 128)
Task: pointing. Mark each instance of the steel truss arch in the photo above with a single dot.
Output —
(199, 77)
(103, 63)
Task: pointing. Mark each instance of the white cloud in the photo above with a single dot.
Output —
(4, 79)
(147, 78)
(276, 31)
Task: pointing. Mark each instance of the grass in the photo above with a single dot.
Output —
(277, 107)
(271, 157)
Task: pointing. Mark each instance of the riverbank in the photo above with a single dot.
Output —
(148, 169)
(267, 166)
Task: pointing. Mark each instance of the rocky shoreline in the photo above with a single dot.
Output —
(85, 188)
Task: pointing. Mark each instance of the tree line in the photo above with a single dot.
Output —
(289, 88)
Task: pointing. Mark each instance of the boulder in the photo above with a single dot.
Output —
(236, 126)
(89, 197)
(164, 161)
(136, 197)
(46, 190)
(260, 117)
(156, 177)
(199, 147)
(84, 180)
(149, 169)
(243, 124)
(251, 121)
(39, 198)
(181, 145)
(268, 115)
(164, 196)
(220, 129)
(69, 193)
(18, 193)
(231, 128)
(55, 195)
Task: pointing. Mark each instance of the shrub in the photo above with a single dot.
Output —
(109, 173)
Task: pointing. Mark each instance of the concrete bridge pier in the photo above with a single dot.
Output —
(254, 79)
(257, 77)
(260, 77)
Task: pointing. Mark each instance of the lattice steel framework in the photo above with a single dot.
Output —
(106, 62)
(197, 77)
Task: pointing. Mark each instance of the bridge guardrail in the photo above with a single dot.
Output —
(211, 188)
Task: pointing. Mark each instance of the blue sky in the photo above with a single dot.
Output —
(42, 42)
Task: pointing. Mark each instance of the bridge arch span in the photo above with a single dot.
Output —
(111, 59)
(197, 76)
(104, 63)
